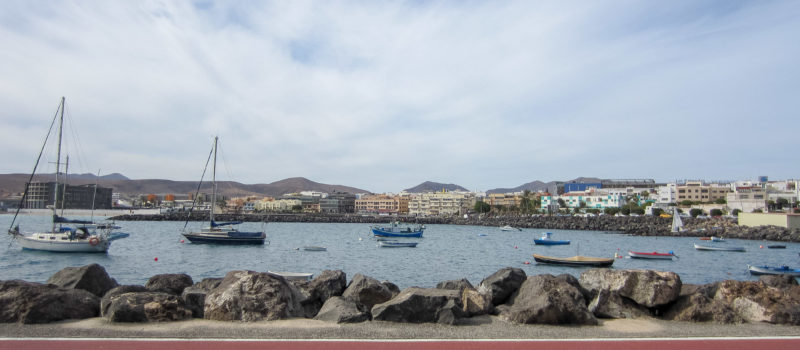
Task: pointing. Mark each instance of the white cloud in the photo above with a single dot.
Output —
(383, 96)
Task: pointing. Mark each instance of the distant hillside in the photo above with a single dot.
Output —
(15, 183)
(429, 186)
(538, 186)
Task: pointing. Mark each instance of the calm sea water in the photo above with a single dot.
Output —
(446, 252)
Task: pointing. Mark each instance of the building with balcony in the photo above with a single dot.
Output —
(40, 196)
(697, 191)
(379, 204)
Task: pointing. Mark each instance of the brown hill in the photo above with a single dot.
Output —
(15, 183)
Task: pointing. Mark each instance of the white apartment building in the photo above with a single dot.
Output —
(276, 205)
(667, 194)
(594, 199)
(440, 203)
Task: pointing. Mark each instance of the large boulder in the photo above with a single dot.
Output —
(105, 302)
(419, 305)
(146, 307)
(699, 307)
(475, 303)
(609, 304)
(340, 310)
(758, 302)
(458, 285)
(545, 299)
(92, 278)
(502, 284)
(194, 296)
(253, 296)
(327, 284)
(778, 281)
(172, 283)
(366, 291)
(645, 287)
(28, 302)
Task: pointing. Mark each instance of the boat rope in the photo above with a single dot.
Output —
(197, 192)
(25, 193)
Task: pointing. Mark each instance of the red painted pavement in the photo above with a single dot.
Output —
(649, 344)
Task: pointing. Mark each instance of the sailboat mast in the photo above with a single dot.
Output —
(64, 189)
(58, 161)
(214, 180)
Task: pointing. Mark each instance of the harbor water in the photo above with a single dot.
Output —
(445, 252)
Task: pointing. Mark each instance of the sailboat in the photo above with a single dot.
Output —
(65, 235)
(220, 232)
(677, 223)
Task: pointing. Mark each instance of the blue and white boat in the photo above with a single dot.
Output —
(395, 229)
(773, 270)
(221, 232)
(548, 240)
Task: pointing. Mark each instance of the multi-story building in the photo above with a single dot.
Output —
(40, 195)
(503, 199)
(747, 198)
(591, 198)
(440, 203)
(379, 204)
(698, 191)
(338, 203)
(279, 205)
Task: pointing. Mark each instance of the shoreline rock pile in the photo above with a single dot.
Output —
(249, 296)
(631, 225)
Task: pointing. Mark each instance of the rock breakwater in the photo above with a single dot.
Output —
(631, 225)
(248, 296)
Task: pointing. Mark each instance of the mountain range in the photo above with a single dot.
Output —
(15, 183)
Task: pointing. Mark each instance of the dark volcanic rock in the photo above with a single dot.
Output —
(253, 296)
(418, 305)
(502, 284)
(645, 287)
(194, 296)
(546, 299)
(340, 310)
(756, 301)
(327, 284)
(27, 302)
(92, 278)
(611, 305)
(458, 285)
(146, 307)
(366, 291)
(172, 283)
(105, 302)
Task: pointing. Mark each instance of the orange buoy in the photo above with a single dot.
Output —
(761, 246)
(182, 241)
(527, 263)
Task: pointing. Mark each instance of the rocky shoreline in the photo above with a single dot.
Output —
(631, 225)
(509, 294)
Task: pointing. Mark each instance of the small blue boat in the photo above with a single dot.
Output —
(773, 270)
(548, 240)
(397, 230)
(395, 244)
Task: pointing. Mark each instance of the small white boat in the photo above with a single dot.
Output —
(293, 276)
(313, 248)
(509, 228)
(651, 255)
(719, 248)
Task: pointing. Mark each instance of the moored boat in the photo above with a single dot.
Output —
(773, 270)
(395, 229)
(577, 260)
(776, 246)
(547, 239)
(64, 235)
(719, 248)
(395, 244)
(220, 232)
(653, 255)
(510, 228)
(314, 248)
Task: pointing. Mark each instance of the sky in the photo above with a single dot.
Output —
(384, 95)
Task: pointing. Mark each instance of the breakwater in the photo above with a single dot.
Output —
(631, 225)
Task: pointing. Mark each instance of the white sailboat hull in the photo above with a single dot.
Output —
(59, 242)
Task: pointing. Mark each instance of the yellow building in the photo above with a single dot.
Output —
(378, 204)
(697, 191)
(790, 221)
(503, 199)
